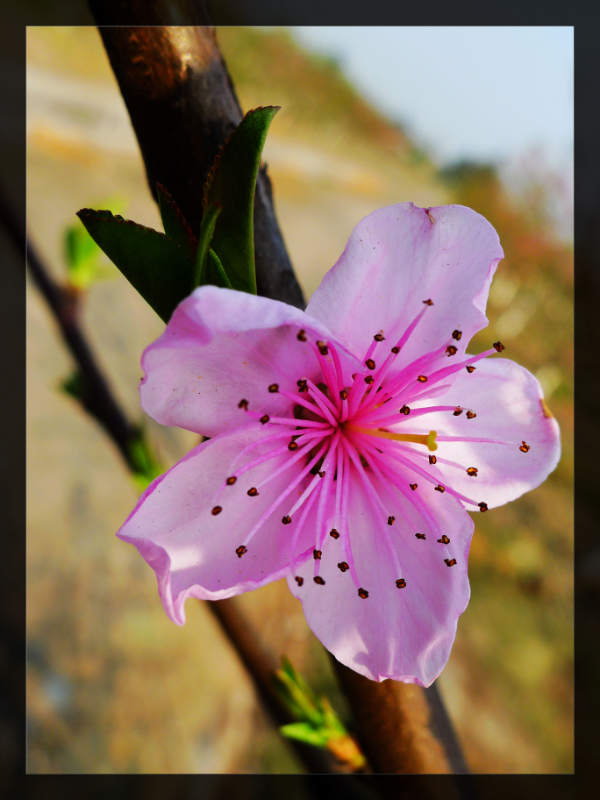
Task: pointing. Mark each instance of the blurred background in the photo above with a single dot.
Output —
(113, 685)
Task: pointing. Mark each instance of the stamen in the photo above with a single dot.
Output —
(379, 337)
(231, 480)
(286, 520)
(253, 492)
(273, 388)
(428, 440)
(413, 486)
(343, 566)
(472, 471)
(391, 520)
(471, 414)
(216, 510)
(470, 368)
(451, 350)
(334, 533)
(400, 583)
(317, 554)
(450, 562)
(483, 506)
(243, 404)
(318, 579)
(524, 448)
(301, 335)
(498, 347)
(444, 540)
(241, 550)
(420, 535)
(363, 593)
(299, 580)
(456, 335)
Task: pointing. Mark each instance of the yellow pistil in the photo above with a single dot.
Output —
(428, 440)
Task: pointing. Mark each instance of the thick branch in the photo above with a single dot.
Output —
(182, 106)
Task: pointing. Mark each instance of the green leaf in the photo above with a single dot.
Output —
(230, 185)
(207, 229)
(215, 274)
(175, 224)
(304, 732)
(154, 264)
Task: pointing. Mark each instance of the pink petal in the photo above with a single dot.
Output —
(508, 402)
(222, 346)
(400, 633)
(192, 551)
(396, 258)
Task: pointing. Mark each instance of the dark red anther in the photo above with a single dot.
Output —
(379, 337)
(457, 411)
(273, 388)
(264, 419)
(413, 486)
(483, 506)
(243, 404)
(400, 583)
(391, 520)
(286, 520)
(432, 459)
(439, 488)
(444, 539)
(524, 448)
(470, 368)
(405, 410)
(317, 554)
(428, 302)
(252, 492)
(318, 579)
(363, 593)
(395, 350)
(420, 535)
(230, 481)
(334, 534)
(471, 415)
(216, 510)
(301, 335)
(498, 347)
(449, 562)
(456, 335)
(370, 363)
(343, 566)
(299, 580)
(422, 378)
(323, 349)
(451, 350)
(472, 471)
(241, 550)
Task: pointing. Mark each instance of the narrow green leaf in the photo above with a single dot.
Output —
(175, 224)
(154, 264)
(207, 229)
(304, 732)
(230, 185)
(215, 274)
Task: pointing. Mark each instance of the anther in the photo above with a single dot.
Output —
(369, 379)
(420, 535)
(400, 583)
(343, 394)
(216, 510)
(301, 335)
(303, 389)
(299, 580)
(286, 520)
(471, 414)
(413, 486)
(451, 350)
(241, 550)
(498, 347)
(457, 411)
(323, 349)
(422, 378)
(395, 350)
(432, 459)
(343, 566)
(456, 335)
(243, 404)
(379, 337)
(524, 447)
(370, 363)
(252, 492)
(274, 387)
(264, 419)
(470, 368)
(301, 382)
(449, 562)
(318, 579)
(334, 534)
(483, 506)
(472, 471)
(428, 302)
(293, 446)
(230, 481)
(391, 520)
(439, 488)
(321, 474)
(444, 539)
(317, 555)
(363, 593)
(405, 410)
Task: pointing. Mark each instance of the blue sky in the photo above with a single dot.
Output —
(485, 93)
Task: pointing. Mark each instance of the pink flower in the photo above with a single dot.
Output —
(349, 442)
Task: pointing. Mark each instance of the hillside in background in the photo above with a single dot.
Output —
(113, 685)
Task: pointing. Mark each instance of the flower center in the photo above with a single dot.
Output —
(344, 436)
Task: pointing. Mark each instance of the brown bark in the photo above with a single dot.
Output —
(182, 107)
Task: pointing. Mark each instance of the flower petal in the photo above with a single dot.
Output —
(193, 551)
(400, 633)
(222, 346)
(398, 257)
(508, 401)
